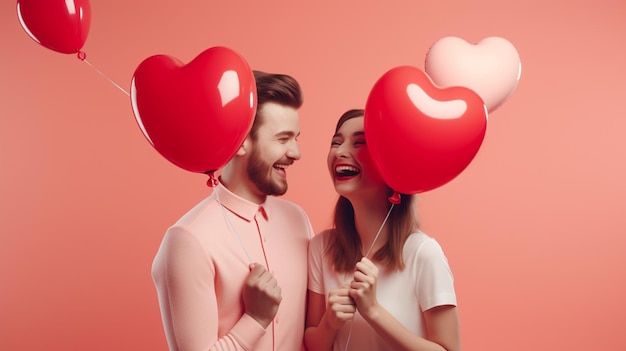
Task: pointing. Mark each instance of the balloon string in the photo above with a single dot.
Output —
(366, 255)
(82, 58)
(231, 226)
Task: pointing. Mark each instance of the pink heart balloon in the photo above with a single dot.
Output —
(195, 115)
(421, 136)
(491, 68)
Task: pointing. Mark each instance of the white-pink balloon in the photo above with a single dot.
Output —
(491, 68)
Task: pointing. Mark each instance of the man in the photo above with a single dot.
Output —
(231, 274)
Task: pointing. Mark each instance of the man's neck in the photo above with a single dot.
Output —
(243, 188)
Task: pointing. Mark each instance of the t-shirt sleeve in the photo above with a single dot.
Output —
(183, 276)
(315, 261)
(435, 282)
(309, 227)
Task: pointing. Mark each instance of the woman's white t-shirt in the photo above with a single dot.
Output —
(425, 282)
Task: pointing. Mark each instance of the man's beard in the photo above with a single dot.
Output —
(260, 173)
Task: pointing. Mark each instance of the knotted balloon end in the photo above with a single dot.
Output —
(395, 198)
(81, 55)
(212, 182)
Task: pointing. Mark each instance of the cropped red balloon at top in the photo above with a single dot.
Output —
(59, 25)
(195, 115)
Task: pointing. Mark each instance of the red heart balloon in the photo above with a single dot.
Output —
(59, 25)
(195, 115)
(421, 136)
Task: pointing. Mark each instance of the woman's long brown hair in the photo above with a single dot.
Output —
(344, 243)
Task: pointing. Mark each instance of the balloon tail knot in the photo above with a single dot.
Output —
(81, 55)
(212, 182)
(395, 198)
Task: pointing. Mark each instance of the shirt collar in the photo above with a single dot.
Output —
(238, 205)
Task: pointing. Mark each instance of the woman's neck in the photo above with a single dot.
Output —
(369, 215)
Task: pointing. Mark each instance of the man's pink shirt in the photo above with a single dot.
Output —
(203, 261)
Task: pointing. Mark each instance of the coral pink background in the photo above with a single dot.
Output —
(535, 228)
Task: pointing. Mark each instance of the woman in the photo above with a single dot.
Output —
(375, 281)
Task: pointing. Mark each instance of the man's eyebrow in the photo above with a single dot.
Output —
(286, 133)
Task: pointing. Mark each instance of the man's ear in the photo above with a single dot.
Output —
(244, 148)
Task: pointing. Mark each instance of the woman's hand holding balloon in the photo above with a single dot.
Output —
(341, 307)
(363, 287)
